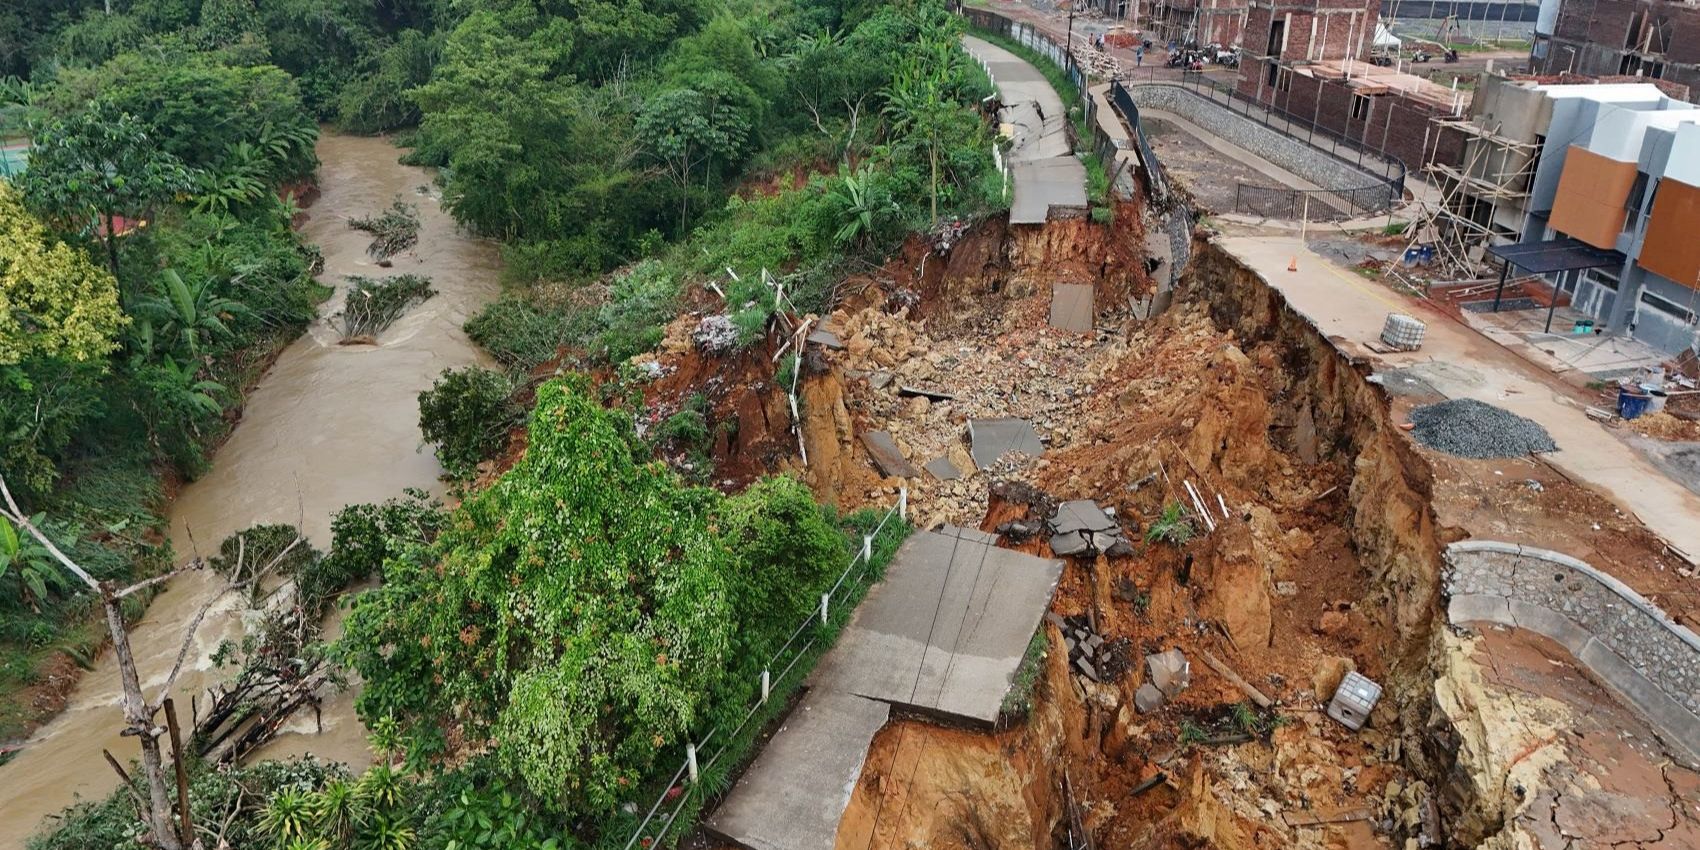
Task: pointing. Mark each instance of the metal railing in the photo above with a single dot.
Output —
(694, 763)
(1387, 172)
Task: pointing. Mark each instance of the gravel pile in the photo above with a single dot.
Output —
(1469, 428)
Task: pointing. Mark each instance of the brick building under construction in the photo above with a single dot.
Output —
(1655, 39)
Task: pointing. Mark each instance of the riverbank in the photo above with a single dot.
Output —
(326, 426)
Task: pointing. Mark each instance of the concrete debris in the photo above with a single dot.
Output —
(887, 456)
(1168, 671)
(880, 380)
(942, 469)
(826, 338)
(1354, 700)
(1089, 654)
(1469, 428)
(1148, 699)
(991, 439)
(1071, 307)
(715, 334)
(1082, 528)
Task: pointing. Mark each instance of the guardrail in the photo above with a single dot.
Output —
(694, 763)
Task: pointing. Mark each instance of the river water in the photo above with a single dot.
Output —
(328, 426)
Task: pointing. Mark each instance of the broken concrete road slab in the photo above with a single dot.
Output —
(887, 456)
(945, 631)
(825, 337)
(1083, 528)
(942, 469)
(1071, 307)
(795, 793)
(991, 439)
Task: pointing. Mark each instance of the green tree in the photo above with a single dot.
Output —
(97, 165)
(685, 130)
(54, 302)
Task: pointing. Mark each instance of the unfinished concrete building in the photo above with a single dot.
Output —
(1609, 169)
(1657, 39)
(1196, 21)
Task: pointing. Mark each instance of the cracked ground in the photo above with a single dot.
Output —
(1604, 779)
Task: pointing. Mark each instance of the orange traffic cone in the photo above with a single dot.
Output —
(1293, 264)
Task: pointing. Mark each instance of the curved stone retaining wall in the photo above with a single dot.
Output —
(1293, 154)
(1613, 631)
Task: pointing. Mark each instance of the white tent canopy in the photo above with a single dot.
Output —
(1384, 38)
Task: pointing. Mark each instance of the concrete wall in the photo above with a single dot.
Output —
(1293, 154)
(1613, 631)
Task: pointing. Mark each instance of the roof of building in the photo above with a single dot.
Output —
(1556, 255)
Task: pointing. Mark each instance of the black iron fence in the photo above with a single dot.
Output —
(1383, 188)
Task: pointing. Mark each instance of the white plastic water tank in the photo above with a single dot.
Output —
(1547, 17)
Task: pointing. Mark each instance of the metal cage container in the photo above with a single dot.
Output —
(1354, 700)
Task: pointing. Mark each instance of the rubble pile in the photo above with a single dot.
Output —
(1090, 656)
(922, 385)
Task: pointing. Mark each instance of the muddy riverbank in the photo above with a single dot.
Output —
(327, 426)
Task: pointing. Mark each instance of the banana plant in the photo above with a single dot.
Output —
(238, 179)
(25, 557)
(184, 317)
(860, 204)
(201, 395)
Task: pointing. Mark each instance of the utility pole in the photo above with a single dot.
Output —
(1068, 42)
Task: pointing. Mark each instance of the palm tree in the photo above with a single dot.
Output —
(183, 316)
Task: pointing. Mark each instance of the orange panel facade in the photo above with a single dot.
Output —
(1672, 247)
(1591, 194)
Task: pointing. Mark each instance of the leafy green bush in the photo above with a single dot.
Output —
(518, 332)
(584, 610)
(467, 414)
(640, 303)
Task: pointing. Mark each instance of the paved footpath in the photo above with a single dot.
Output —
(1345, 305)
(1047, 174)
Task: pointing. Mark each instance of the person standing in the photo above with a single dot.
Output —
(1139, 56)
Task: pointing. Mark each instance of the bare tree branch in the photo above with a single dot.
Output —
(16, 515)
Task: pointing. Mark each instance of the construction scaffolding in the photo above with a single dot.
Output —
(1495, 177)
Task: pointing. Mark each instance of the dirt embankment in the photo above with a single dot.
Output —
(1325, 556)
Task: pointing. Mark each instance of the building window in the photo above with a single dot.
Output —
(1601, 277)
(1632, 205)
(1284, 79)
(1360, 107)
(1666, 306)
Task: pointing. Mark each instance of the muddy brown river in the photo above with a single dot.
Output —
(328, 426)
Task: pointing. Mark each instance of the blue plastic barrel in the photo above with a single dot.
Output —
(1630, 403)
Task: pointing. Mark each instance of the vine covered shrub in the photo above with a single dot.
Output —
(467, 414)
(588, 610)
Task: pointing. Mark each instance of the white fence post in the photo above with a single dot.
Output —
(825, 598)
(868, 548)
(691, 760)
(903, 502)
(766, 686)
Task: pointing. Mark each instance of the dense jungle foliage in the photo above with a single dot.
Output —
(540, 663)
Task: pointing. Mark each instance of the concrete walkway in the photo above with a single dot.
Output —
(1047, 174)
(943, 634)
(1468, 365)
